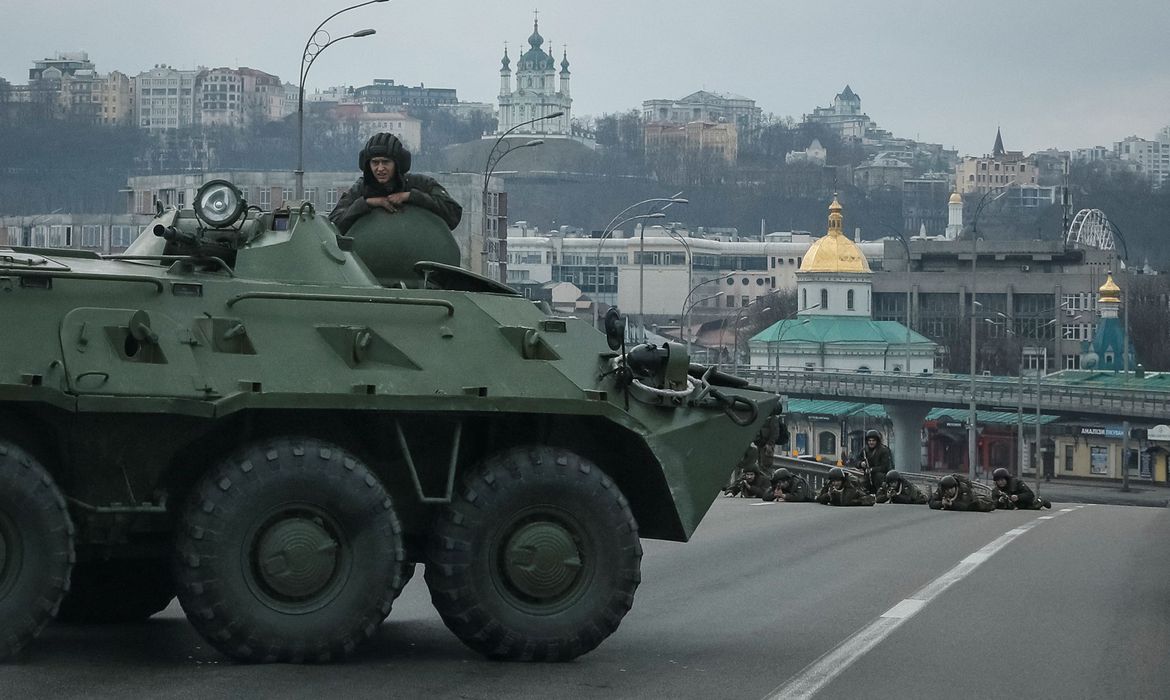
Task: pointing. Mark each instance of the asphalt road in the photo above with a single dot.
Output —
(766, 600)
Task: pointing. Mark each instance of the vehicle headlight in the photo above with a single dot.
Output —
(219, 203)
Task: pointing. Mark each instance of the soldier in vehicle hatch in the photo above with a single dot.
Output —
(876, 459)
(386, 183)
(1011, 493)
(955, 492)
(843, 489)
(899, 490)
(790, 487)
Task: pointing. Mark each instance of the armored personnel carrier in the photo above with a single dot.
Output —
(275, 423)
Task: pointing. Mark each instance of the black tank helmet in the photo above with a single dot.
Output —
(1000, 473)
(948, 482)
(873, 434)
(836, 474)
(384, 145)
(893, 477)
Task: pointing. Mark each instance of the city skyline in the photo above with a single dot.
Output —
(1067, 91)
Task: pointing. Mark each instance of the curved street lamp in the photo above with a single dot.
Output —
(489, 167)
(313, 49)
(686, 311)
(739, 319)
(613, 226)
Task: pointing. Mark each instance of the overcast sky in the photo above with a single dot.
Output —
(1048, 72)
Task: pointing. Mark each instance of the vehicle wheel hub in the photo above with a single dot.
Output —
(296, 558)
(542, 561)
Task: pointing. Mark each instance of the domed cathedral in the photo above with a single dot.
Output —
(834, 276)
(833, 329)
(536, 92)
(1104, 351)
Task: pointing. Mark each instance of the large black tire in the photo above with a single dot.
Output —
(36, 548)
(536, 559)
(289, 551)
(117, 591)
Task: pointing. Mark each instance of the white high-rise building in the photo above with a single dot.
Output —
(536, 92)
(164, 98)
(1151, 158)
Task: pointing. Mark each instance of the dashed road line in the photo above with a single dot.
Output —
(821, 672)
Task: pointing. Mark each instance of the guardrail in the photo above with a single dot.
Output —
(817, 473)
(955, 390)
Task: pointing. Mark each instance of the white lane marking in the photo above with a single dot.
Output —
(1046, 517)
(905, 608)
(1067, 510)
(765, 503)
(833, 663)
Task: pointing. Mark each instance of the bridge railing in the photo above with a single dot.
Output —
(1055, 396)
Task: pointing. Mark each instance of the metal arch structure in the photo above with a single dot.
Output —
(1090, 228)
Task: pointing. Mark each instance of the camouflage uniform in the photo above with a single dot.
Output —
(770, 435)
(797, 491)
(757, 487)
(424, 191)
(900, 491)
(966, 498)
(850, 494)
(1026, 500)
(748, 462)
(877, 462)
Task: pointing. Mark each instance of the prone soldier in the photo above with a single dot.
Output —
(1012, 493)
(747, 463)
(843, 489)
(956, 492)
(790, 487)
(899, 490)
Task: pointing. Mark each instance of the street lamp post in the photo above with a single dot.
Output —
(972, 425)
(658, 207)
(686, 314)
(613, 226)
(313, 49)
(489, 167)
(739, 318)
(687, 310)
(1124, 357)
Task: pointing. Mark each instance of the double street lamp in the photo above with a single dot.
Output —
(613, 226)
(318, 41)
(495, 155)
(686, 311)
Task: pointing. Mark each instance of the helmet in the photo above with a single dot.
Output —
(1000, 473)
(781, 474)
(948, 482)
(873, 434)
(893, 477)
(385, 145)
(836, 474)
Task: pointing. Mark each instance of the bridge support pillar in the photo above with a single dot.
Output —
(907, 440)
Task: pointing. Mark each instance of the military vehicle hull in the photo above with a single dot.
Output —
(159, 402)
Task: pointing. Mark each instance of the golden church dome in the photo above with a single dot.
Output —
(834, 252)
(956, 198)
(1109, 291)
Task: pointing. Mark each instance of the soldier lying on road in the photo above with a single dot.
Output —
(843, 490)
(899, 490)
(955, 492)
(1012, 493)
(790, 487)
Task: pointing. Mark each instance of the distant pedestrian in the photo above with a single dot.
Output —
(1011, 493)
